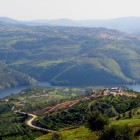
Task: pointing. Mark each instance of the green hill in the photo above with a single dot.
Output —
(11, 78)
(70, 55)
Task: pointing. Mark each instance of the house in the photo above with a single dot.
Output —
(115, 90)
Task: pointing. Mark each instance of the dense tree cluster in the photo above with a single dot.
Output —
(97, 121)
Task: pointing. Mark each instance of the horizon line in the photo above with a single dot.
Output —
(65, 18)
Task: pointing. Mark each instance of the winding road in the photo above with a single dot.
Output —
(29, 123)
(57, 107)
(31, 119)
(54, 108)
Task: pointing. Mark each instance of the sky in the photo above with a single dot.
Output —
(72, 9)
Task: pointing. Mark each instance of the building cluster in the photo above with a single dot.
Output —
(114, 91)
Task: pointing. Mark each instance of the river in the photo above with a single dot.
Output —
(9, 91)
(134, 87)
(6, 92)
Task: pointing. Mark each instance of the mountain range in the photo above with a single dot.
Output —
(125, 24)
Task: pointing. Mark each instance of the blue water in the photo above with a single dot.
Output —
(134, 87)
(9, 91)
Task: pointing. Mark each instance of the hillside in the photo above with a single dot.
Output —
(11, 78)
(70, 55)
(70, 122)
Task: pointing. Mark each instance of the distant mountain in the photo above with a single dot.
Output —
(8, 20)
(125, 24)
(57, 22)
(73, 56)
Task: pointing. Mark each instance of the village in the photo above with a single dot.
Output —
(113, 91)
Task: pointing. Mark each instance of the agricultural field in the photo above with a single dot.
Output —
(36, 98)
(13, 127)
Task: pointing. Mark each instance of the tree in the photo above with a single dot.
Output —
(96, 121)
(56, 136)
(130, 114)
(117, 132)
(124, 115)
(137, 133)
(119, 117)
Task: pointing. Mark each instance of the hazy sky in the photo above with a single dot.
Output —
(73, 9)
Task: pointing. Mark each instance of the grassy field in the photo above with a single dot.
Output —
(80, 133)
(48, 63)
(130, 122)
(83, 133)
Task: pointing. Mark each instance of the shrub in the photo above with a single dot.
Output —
(137, 133)
(56, 136)
(119, 117)
(117, 132)
(96, 121)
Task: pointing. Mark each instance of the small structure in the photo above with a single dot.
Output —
(115, 90)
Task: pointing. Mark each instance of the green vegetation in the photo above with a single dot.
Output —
(97, 121)
(71, 121)
(117, 132)
(80, 133)
(36, 98)
(5, 107)
(71, 56)
(12, 126)
(73, 116)
(112, 106)
(32, 99)
(129, 122)
(76, 115)
(68, 56)
(11, 78)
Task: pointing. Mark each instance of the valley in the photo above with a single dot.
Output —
(89, 83)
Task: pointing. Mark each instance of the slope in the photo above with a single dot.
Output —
(11, 78)
(70, 55)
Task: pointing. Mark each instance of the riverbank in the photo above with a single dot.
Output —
(15, 90)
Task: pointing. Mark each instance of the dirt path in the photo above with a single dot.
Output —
(56, 107)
